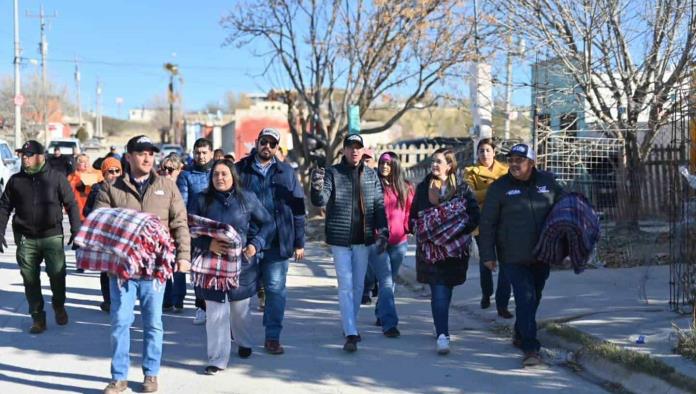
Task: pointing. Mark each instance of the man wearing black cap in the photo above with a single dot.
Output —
(513, 215)
(276, 186)
(37, 194)
(141, 189)
(355, 220)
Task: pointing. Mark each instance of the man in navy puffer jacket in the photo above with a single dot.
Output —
(276, 186)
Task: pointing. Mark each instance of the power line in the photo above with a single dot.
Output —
(147, 65)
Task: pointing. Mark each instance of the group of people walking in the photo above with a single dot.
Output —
(369, 215)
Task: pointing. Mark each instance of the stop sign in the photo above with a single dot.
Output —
(19, 100)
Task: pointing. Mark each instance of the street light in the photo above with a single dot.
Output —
(173, 71)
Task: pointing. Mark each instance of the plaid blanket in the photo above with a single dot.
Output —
(127, 243)
(571, 229)
(440, 231)
(208, 270)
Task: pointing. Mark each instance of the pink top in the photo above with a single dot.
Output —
(397, 216)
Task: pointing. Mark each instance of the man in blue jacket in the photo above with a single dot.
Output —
(276, 186)
(190, 182)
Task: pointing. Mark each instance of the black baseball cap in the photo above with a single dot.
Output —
(31, 147)
(141, 143)
(353, 139)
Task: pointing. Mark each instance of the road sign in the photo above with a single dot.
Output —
(353, 119)
(19, 100)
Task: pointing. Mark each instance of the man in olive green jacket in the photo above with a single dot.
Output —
(142, 190)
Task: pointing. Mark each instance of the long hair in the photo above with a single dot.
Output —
(236, 182)
(396, 178)
(452, 173)
(485, 141)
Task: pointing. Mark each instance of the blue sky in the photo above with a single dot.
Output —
(125, 44)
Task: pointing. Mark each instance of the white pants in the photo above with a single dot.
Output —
(351, 266)
(220, 318)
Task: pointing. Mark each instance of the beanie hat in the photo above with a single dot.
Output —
(110, 162)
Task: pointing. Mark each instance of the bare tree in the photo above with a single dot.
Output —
(350, 52)
(628, 59)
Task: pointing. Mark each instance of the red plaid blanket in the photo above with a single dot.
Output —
(127, 243)
(208, 270)
(440, 231)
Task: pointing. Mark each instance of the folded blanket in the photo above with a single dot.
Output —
(440, 231)
(211, 271)
(127, 243)
(571, 229)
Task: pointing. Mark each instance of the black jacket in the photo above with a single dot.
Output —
(63, 164)
(337, 196)
(38, 201)
(514, 214)
(452, 271)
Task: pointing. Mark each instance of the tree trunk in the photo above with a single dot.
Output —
(630, 180)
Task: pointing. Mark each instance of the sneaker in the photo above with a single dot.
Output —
(532, 359)
(211, 370)
(351, 344)
(61, 316)
(244, 352)
(273, 346)
(443, 344)
(505, 313)
(392, 333)
(485, 302)
(149, 384)
(366, 300)
(200, 317)
(116, 386)
(105, 306)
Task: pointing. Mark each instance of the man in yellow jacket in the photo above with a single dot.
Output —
(480, 176)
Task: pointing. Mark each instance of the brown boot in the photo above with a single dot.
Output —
(38, 326)
(61, 315)
(150, 384)
(116, 386)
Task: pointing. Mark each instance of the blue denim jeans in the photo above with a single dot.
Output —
(274, 272)
(440, 299)
(503, 289)
(527, 283)
(150, 294)
(396, 258)
(351, 265)
(385, 309)
(175, 291)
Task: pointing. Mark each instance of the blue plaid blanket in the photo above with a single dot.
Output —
(571, 230)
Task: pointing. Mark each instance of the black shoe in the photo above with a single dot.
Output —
(378, 323)
(351, 344)
(366, 300)
(485, 302)
(79, 270)
(392, 333)
(359, 337)
(211, 370)
(244, 352)
(505, 313)
(167, 308)
(105, 306)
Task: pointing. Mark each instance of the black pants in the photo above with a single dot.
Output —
(104, 285)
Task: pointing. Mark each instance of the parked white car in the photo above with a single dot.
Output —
(9, 163)
(66, 145)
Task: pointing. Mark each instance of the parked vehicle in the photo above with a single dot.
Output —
(66, 145)
(9, 163)
(167, 149)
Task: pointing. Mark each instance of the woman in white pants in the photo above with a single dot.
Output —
(224, 201)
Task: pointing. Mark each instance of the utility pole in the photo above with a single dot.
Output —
(173, 70)
(98, 131)
(17, 81)
(77, 88)
(43, 47)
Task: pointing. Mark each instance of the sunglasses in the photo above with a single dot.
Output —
(114, 171)
(168, 170)
(270, 143)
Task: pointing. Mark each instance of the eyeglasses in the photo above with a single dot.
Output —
(270, 143)
(114, 171)
(169, 170)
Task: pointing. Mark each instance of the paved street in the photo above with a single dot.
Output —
(75, 358)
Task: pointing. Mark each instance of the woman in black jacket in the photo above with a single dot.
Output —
(441, 186)
(224, 201)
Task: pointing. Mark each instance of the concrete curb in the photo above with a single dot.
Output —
(594, 365)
